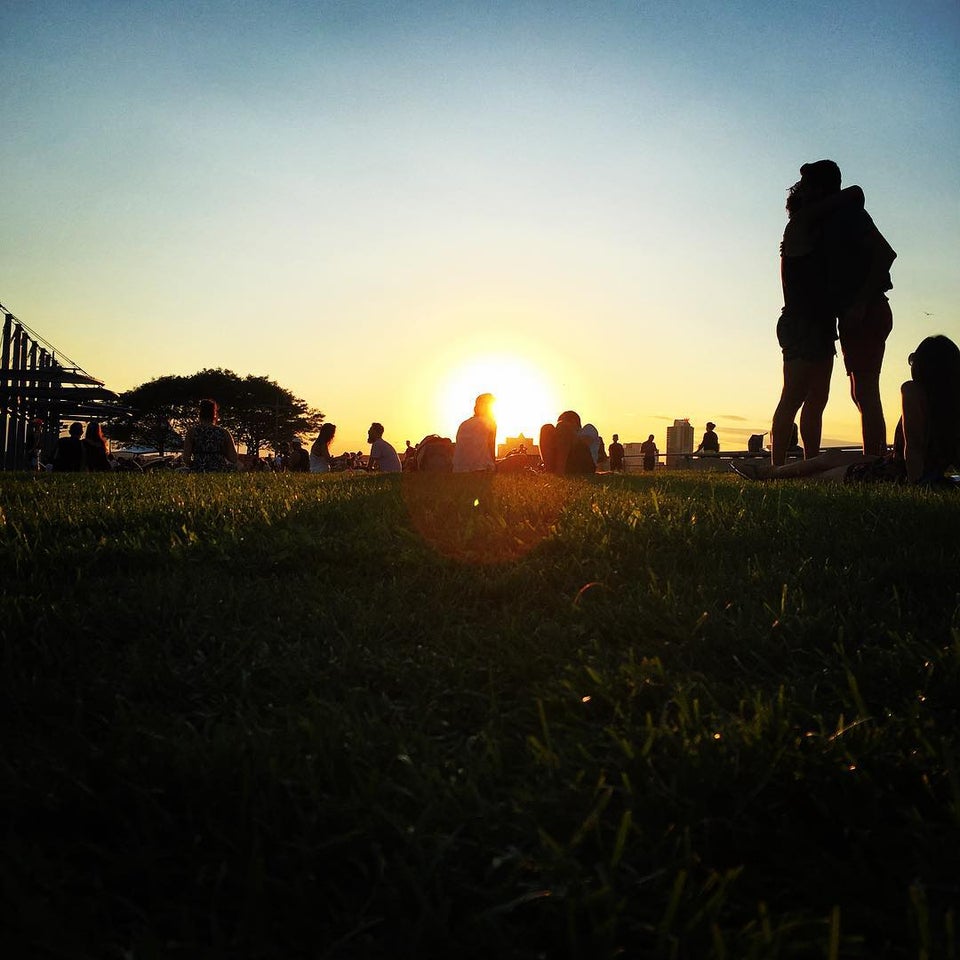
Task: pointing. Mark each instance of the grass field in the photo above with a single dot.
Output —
(288, 716)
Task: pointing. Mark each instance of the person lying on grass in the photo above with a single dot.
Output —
(927, 440)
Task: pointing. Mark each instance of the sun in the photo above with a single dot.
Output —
(524, 398)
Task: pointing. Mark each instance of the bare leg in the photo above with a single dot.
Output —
(791, 399)
(803, 381)
(811, 418)
(865, 391)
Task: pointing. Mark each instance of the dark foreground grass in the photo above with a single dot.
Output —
(288, 717)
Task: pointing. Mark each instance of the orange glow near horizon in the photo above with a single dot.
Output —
(524, 398)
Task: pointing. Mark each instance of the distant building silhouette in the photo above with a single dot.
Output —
(679, 441)
(516, 443)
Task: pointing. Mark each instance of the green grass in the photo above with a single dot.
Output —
(283, 716)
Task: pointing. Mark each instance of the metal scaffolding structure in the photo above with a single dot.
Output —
(38, 393)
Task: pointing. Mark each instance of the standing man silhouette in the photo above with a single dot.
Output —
(615, 451)
(649, 450)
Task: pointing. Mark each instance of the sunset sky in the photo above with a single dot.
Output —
(391, 207)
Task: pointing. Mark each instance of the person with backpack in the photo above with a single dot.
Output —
(434, 455)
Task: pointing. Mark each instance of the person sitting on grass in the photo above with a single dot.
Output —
(563, 448)
(320, 458)
(650, 453)
(208, 447)
(297, 459)
(95, 459)
(590, 435)
(383, 456)
(927, 440)
(68, 455)
(476, 445)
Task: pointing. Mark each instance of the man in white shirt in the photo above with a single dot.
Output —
(383, 457)
(476, 447)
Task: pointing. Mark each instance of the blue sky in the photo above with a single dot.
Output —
(361, 199)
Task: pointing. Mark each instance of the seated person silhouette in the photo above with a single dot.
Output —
(68, 456)
(563, 449)
(710, 444)
(383, 456)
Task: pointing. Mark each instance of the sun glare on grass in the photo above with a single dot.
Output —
(524, 398)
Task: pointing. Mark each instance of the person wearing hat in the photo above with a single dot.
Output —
(710, 444)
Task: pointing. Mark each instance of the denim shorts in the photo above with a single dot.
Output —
(804, 338)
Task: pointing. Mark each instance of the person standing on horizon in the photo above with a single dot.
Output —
(649, 450)
(615, 451)
(857, 261)
(476, 447)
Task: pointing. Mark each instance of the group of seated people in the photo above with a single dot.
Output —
(208, 447)
(568, 447)
(81, 451)
(926, 446)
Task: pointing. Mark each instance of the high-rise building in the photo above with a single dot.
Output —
(679, 441)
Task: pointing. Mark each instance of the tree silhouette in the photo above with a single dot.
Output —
(256, 410)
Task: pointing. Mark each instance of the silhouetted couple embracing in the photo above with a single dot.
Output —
(835, 271)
